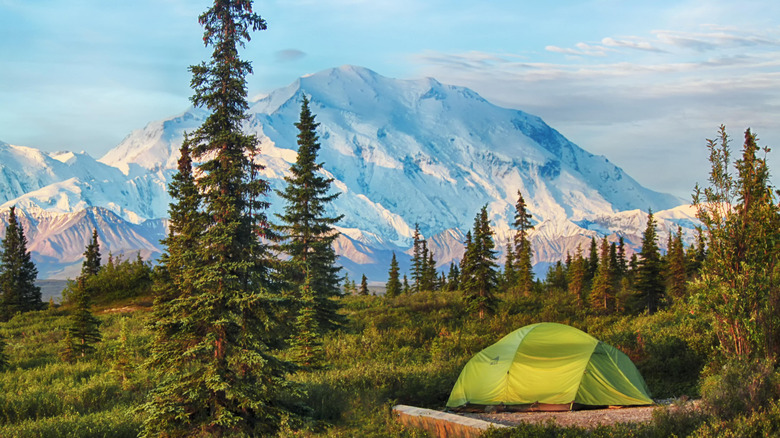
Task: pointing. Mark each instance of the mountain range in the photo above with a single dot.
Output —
(401, 152)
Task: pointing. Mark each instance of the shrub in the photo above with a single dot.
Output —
(741, 386)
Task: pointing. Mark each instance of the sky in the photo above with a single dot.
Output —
(644, 83)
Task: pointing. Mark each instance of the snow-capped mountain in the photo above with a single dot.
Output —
(401, 152)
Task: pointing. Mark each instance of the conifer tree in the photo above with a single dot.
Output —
(406, 289)
(577, 276)
(83, 330)
(212, 355)
(307, 232)
(177, 275)
(363, 286)
(122, 365)
(306, 344)
(676, 269)
(593, 260)
(18, 292)
(393, 285)
(91, 264)
(649, 280)
(602, 292)
(419, 260)
(453, 278)
(479, 277)
(622, 264)
(523, 251)
(430, 275)
(510, 270)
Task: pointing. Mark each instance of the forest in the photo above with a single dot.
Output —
(246, 326)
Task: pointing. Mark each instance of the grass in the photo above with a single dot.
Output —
(406, 350)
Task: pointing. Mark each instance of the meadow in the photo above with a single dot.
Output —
(403, 350)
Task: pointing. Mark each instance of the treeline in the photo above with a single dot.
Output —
(604, 279)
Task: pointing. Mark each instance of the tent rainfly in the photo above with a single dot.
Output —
(549, 365)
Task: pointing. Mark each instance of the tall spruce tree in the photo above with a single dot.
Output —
(393, 285)
(523, 251)
(649, 278)
(83, 331)
(479, 276)
(212, 353)
(306, 231)
(419, 260)
(18, 292)
(363, 286)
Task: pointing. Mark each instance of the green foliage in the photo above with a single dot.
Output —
(393, 285)
(83, 331)
(18, 292)
(740, 386)
(43, 396)
(740, 283)
(118, 279)
(479, 277)
(307, 233)
(215, 370)
(523, 253)
(649, 280)
(91, 264)
(3, 354)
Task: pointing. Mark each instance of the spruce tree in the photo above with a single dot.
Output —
(479, 276)
(212, 353)
(18, 292)
(419, 260)
(176, 276)
(429, 272)
(306, 345)
(649, 280)
(593, 259)
(523, 252)
(307, 232)
(510, 270)
(91, 264)
(83, 329)
(576, 277)
(453, 278)
(393, 285)
(406, 289)
(676, 269)
(363, 286)
(602, 292)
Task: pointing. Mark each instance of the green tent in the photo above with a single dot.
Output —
(549, 364)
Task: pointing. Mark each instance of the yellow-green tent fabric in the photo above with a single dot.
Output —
(549, 363)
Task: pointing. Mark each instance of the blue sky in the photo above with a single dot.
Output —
(641, 82)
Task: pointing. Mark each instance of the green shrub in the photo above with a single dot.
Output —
(741, 386)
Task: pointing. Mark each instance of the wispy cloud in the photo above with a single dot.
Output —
(665, 102)
(288, 55)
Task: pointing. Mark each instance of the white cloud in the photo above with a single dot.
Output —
(638, 110)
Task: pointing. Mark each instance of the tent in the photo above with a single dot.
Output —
(549, 365)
